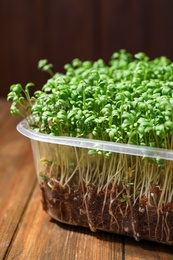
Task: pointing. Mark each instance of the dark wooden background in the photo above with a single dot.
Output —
(61, 30)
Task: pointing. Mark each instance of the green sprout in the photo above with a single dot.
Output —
(128, 100)
(45, 66)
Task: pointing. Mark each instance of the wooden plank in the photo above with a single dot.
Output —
(71, 30)
(147, 250)
(137, 26)
(4, 111)
(17, 177)
(27, 232)
(121, 26)
(158, 22)
(58, 31)
(22, 42)
(38, 237)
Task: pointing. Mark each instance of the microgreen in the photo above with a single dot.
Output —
(130, 100)
(45, 66)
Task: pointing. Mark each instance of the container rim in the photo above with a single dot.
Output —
(137, 150)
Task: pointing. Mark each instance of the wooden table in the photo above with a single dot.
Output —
(27, 232)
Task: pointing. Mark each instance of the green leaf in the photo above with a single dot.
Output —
(92, 152)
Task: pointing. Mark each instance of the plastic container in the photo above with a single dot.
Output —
(120, 188)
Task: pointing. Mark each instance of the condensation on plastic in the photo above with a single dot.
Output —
(99, 145)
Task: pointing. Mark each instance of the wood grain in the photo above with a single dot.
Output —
(17, 177)
(27, 232)
(63, 30)
(147, 250)
(42, 238)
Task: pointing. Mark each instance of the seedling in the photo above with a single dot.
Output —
(130, 101)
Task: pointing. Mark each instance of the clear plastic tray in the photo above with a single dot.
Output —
(121, 188)
(137, 150)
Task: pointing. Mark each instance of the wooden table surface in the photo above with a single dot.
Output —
(27, 232)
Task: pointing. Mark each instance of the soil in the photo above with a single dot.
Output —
(84, 206)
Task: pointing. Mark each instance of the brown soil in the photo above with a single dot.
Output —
(84, 206)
